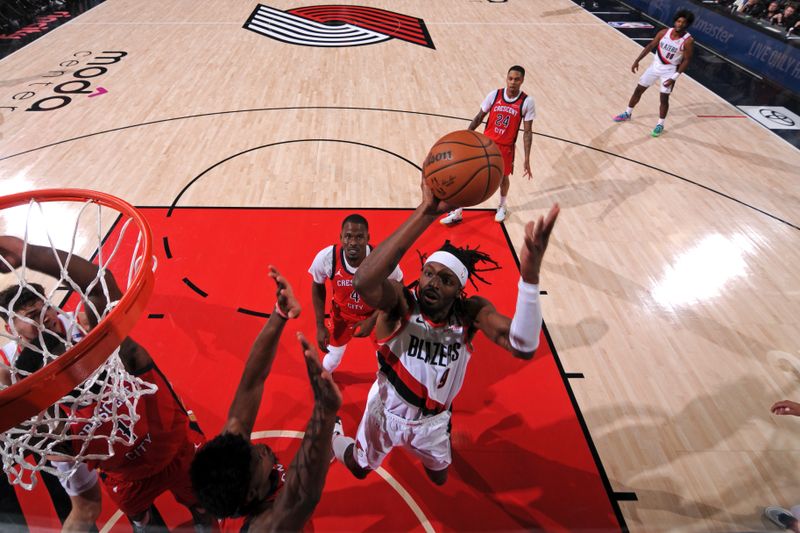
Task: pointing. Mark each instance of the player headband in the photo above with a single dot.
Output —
(452, 262)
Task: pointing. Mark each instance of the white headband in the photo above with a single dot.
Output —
(452, 262)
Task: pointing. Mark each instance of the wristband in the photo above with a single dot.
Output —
(675, 76)
(281, 313)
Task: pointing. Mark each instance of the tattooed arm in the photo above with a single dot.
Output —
(306, 474)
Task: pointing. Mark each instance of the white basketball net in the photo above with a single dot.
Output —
(98, 414)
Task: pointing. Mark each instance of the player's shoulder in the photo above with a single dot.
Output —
(475, 304)
(324, 255)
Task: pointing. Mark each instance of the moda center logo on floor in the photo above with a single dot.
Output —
(336, 26)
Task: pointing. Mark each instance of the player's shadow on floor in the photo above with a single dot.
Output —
(611, 192)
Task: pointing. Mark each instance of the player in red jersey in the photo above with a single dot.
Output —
(350, 315)
(508, 109)
(158, 461)
(234, 477)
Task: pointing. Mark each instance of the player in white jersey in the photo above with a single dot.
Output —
(424, 340)
(674, 47)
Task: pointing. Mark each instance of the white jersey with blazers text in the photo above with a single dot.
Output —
(422, 365)
(670, 51)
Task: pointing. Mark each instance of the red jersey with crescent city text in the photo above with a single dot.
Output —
(161, 431)
(346, 300)
(505, 118)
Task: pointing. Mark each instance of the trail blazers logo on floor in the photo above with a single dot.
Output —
(336, 26)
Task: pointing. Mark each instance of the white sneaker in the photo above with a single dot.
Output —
(338, 431)
(453, 218)
(501, 214)
(779, 516)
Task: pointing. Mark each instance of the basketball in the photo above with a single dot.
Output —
(463, 168)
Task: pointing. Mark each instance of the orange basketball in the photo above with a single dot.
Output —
(463, 168)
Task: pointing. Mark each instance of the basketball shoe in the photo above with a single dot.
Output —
(501, 214)
(780, 517)
(453, 218)
(338, 431)
(622, 117)
(658, 130)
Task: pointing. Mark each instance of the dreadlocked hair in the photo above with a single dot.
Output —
(471, 258)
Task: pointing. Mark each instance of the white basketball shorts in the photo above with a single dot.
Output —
(380, 431)
(658, 71)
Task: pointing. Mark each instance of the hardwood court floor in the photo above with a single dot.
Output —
(671, 275)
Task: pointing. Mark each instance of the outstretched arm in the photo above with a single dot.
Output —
(371, 279)
(246, 401)
(520, 334)
(49, 261)
(309, 468)
(85, 275)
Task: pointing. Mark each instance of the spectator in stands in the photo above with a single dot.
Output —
(753, 8)
(787, 18)
(773, 9)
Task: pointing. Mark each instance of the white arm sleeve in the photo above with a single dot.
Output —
(322, 265)
(527, 322)
(486, 105)
(528, 109)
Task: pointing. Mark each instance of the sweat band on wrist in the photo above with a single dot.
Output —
(527, 322)
(675, 76)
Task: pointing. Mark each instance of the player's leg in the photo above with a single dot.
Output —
(663, 109)
(505, 183)
(83, 489)
(645, 81)
(341, 333)
(431, 443)
(372, 443)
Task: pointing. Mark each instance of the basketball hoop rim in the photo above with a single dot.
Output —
(43, 388)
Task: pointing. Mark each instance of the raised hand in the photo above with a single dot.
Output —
(287, 302)
(786, 407)
(430, 203)
(537, 235)
(326, 393)
(11, 249)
